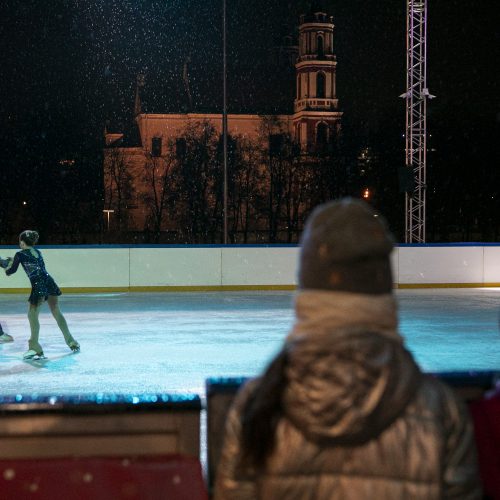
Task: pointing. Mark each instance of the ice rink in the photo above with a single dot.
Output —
(171, 342)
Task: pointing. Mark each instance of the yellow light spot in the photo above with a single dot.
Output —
(9, 474)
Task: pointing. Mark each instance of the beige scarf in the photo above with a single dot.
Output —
(320, 312)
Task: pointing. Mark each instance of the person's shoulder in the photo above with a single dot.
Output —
(433, 387)
(245, 391)
(438, 395)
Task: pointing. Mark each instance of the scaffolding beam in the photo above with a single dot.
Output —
(416, 96)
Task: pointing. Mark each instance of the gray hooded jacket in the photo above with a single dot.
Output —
(360, 419)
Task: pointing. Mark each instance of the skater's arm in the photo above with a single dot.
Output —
(4, 262)
(12, 265)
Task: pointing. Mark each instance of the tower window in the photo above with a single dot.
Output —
(322, 134)
(180, 148)
(320, 85)
(321, 47)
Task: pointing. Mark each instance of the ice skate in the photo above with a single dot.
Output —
(32, 355)
(74, 346)
(5, 337)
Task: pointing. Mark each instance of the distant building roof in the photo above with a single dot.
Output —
(260, 89)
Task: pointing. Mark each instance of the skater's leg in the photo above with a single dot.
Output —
(5, 337)
(33, 312)
(61, 322)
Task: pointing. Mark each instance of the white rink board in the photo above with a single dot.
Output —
(433, 264)
(492, 264)
(88, 267)
(259, 266)
(395, 265)
(121, 267)
(189, 266)
(75, 267)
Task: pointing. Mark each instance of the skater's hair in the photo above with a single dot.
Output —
(262, 411)
(29, 237)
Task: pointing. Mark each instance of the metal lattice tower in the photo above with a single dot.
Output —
(416, 96)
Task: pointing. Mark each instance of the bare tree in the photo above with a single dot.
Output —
(245, 186)
(199, 210)
(159, 190)
(118, 185)
(272, 136)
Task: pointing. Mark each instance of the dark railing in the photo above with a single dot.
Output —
(150, 431)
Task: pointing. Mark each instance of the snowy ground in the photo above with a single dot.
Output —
(172, 342)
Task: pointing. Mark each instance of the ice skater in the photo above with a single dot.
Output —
(4, 337)
(43, 287)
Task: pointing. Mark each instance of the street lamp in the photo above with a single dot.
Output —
(108, 212)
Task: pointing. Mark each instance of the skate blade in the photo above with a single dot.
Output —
(36, 358)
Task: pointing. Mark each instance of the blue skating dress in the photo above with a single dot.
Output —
(42, 284)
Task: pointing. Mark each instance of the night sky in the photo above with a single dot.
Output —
(68, 69)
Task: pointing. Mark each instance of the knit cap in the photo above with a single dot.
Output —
(346, 246)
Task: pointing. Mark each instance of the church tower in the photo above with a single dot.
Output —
(316, 117)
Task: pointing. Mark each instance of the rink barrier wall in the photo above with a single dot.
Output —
(149, 268)
(50, 426)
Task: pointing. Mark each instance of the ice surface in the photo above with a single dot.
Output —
(172, 342)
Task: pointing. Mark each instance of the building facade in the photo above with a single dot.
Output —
(313, 124)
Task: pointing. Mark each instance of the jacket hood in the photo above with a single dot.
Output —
(349, 375)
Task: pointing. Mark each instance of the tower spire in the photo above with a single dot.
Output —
(140, 81)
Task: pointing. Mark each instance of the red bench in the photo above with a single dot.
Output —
(102, 446)
(486, 416)
(172, 477)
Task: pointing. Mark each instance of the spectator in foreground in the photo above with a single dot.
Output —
(343, 411)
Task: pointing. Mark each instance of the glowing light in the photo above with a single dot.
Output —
(67, 163)
(366, 193)
(108, 212)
